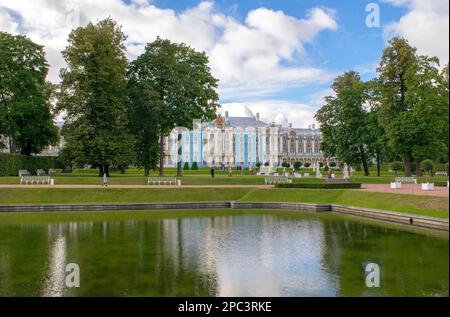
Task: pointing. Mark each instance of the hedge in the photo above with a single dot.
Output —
(321, 186)
(10, 164)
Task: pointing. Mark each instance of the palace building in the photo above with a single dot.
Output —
(243, 142)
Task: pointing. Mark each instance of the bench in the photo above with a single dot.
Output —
(441, 173)
(162, 180)
(40, 172)
(51, 171)
(277, 180)
(35, 179)
(23, 173)
(406, 180)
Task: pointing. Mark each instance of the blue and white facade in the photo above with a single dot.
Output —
(242, 142)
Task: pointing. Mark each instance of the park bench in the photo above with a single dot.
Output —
(441, 173)
(40, 172)
(35, 179)
(406, 180)
(51, 171)
(162, 180)
(23, 173)
(297, 175)
(277, 180)
(306, 174)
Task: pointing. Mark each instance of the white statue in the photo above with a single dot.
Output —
(318, 173)
(346, 175)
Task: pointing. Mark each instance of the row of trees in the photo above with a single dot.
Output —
(26, 118)
(118, 113)
(401, 114)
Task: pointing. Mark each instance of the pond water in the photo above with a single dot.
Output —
(217, 253)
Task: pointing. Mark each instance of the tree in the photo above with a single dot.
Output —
(344, 121)
(428, 95)
(143, 122)
(26, 116)
(182, 86)
(427, 167)
(413, 102)
(396, 62)
(396, 166)
(186, 166)
(93, 96)
(194, 166)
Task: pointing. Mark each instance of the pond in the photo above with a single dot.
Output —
(216, 253)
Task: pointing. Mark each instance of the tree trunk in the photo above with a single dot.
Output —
(418, 169)
(100, 172)
(106, 169)
(407, 164)
(179, 155)
(378, 162)
(364, 161)
(161, 154)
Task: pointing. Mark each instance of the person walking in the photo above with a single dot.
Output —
(212, 171)
(105, 180)
(330, 173)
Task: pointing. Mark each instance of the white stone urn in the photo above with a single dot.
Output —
(427, 186)
(396, 185)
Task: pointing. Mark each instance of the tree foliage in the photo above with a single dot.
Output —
(93, 96)
(344, 121)
(178, 84)
(26, 116)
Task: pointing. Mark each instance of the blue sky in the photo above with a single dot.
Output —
(277, 58)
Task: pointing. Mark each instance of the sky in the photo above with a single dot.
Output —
(277, 58)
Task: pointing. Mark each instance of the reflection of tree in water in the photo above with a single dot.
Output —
(23, 259)
(411, 264)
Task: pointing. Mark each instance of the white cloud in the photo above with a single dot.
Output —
(425, 26)
(278, 111)
(258, 57)
(7, 23)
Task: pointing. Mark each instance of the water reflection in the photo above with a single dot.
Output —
(228, 255)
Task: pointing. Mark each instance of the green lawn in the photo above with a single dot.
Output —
(424, 205)
(202, 177)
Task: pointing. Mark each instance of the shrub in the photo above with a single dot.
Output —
(427, 166)
(321, 186)
(186, 166)
(194, 166)
(307, 165)
(326, 168)
(285, 164)
(10, 164)
(297, 165)
(396, 166)
(258, 165)
(333, 164)
(320, 164)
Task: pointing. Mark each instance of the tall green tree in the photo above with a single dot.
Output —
(413, 102)
(395, 111)
(26, 116)
(177, 82)
(144, 124)
(93, 96)
(344, 121)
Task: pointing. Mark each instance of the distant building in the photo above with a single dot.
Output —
(242, 142)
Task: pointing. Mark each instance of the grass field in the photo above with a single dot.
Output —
(423, 205)
(202, 177)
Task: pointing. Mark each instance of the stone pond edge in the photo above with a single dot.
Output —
(389, 216)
